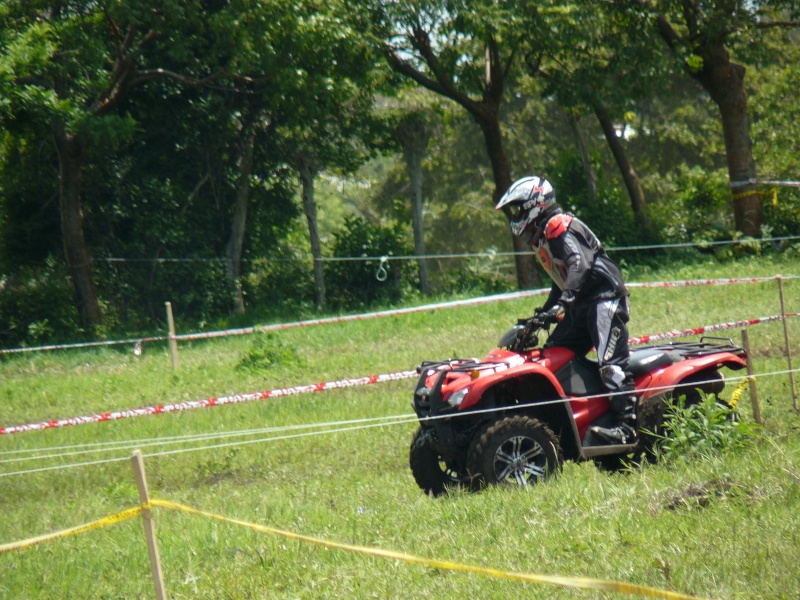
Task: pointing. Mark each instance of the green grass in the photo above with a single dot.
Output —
(723, 526)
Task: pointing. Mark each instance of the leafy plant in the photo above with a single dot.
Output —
(361, 283)
(703, 429)
(266, 351)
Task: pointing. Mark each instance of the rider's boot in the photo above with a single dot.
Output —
(623, 407)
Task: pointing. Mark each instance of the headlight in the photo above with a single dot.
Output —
(456, 398)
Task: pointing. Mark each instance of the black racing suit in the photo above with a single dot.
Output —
(590, 288)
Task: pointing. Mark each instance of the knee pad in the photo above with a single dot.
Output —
(613, 377)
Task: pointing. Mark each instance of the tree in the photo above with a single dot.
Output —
(414, 132)
(702, 35)
(590, 61)
(233, 249)
(324, 122)
(464, 52)
(68, 65)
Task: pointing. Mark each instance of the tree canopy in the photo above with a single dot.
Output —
(152, 151)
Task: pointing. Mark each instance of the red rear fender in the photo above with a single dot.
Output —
(669, 377)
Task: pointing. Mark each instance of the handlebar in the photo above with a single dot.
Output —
(524, 335)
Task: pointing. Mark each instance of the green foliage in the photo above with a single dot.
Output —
(280, 284)
(699, 210)
(478, 276)
(702, 430)
(363, 283)
(782, 211)
(29, 228)
(35, 307)
(160, 160)
(610, 217)
(266, 351)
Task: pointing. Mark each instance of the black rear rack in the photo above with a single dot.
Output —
(706, 346)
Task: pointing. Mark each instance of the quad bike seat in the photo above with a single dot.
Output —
(648, 359)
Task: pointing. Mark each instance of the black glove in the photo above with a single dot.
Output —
(551, 315)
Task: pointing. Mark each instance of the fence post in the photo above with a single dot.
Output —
(173, 343)
(786, 341)
(149, 529)
(753, 392)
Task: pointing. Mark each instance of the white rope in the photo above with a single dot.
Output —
(60, 451)
(491, 254)
(754, 181)
(392, 312)
(391, 420)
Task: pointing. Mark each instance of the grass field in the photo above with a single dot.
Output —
(713, 526)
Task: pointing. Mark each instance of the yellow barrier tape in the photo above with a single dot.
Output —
(568, 582)
(104, 522)
(737, 393)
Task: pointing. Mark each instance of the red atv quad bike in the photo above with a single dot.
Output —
(514, 417)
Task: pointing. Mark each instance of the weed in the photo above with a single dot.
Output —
(706, 428)
(266, 351)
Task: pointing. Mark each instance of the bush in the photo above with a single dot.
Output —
(703, 429)
(356, 284)
(266, 351)
(782, 211)
(36, 308)
(479, 276)
(281, 283)
(610, 217)
(700, 211)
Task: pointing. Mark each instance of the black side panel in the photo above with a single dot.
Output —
(580, 377)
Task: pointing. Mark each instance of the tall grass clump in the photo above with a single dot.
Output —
(703, 429)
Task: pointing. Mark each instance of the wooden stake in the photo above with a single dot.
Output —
(173, 343)
(786, 341)
(149, 529)
(753, 392)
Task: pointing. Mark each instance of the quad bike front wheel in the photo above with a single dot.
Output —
(514, 450)
(431, 471)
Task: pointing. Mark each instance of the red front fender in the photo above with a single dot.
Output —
(486, 381)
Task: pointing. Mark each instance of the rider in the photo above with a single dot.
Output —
(587, 290)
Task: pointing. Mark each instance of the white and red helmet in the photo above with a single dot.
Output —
(527, 199)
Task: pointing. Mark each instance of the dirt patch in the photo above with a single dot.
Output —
(702, 495)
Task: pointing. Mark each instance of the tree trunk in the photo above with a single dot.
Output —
(586, 161)
(79, 266)
(527, 276)
(233, 250)
(308, 171)
(414, 136)
(724, 82)
(629, 176)
(486, 113)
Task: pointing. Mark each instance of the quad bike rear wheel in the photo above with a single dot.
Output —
(514, 450)
(431, 471)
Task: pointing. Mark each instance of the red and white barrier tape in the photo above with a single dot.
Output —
(280, 326)
(320, 387)
(209, 402)
(705, 282)
(385, 313)
(368, 316)
(646, 339)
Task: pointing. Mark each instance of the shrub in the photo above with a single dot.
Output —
(356, 284)
(268, 351)
(703, 429)
(36, 307)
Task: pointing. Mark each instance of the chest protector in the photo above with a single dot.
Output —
(556, 267)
